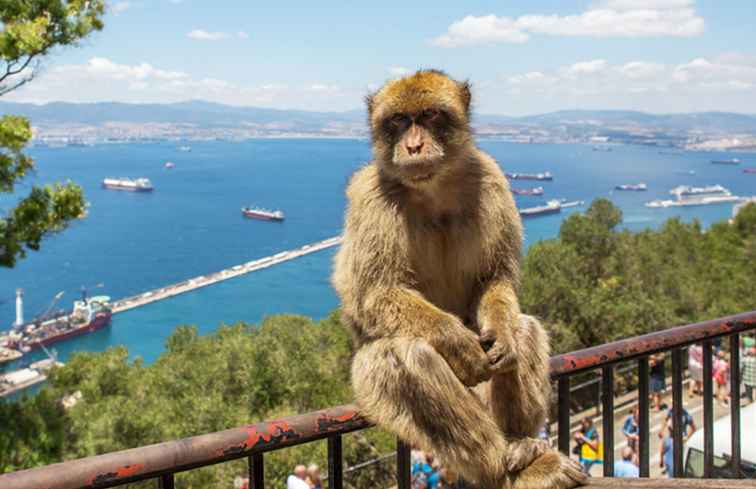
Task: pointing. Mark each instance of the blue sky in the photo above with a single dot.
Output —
(522, 57)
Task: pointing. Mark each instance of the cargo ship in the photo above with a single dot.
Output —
(88, 315)
(528, 191)
(750, 170)
(551, 207)
(530, 176)
(262, 214)
(128, 184)
(732, 161)
(637, 187)
(18, 380)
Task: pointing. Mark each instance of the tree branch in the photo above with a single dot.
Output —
(9, 71)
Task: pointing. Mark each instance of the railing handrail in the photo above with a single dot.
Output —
(647, 344)
(152, 461)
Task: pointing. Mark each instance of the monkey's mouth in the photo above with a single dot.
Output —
(421, 177)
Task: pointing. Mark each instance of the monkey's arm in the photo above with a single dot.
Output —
(498, 316)
(397, 311)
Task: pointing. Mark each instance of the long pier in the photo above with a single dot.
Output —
(155, 295)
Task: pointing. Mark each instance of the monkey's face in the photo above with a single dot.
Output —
(419, 124)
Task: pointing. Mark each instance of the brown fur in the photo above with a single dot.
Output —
(427, 275)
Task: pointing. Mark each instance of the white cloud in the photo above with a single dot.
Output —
(610, 18)
(107, 68)
(587, 67)
(120, 7)
(640, 70)
(202, 35)
(242, 35)
(398, 71)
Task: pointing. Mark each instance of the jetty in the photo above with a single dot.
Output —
(155, 295)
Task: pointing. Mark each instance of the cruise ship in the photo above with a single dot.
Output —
(262, 214)
(638, 187)
(129, 184)
(695, 196)
(684, 190)
(732, 161)
(530, 176)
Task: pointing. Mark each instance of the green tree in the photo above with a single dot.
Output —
(30, 30)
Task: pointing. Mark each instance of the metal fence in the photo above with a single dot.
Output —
(163, 460)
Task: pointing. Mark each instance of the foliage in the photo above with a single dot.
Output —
(595, 284)
(239, 375)
(31, 29)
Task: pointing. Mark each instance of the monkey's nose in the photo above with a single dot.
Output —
(414, 149)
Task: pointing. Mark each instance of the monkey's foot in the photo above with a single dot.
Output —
(552, 470)
(522, 452)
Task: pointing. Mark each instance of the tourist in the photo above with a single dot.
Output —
(666, 460)
(297, 480)
(658, 380)
(721, 369)
(313, 477)
(626, 467)
(689, 424)
(630, 429)
(749, 373)
(588, 445)
(695, 369)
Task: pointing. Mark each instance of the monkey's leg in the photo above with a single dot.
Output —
(405, 386)
(519, 400)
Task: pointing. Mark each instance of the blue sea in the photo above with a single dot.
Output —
(191, 224)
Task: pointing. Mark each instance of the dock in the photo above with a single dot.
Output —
(195, 283)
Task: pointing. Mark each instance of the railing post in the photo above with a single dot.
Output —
(643, 429)
(403, 462)
(563, 414)
(165, 481)
(335, 465)
(708, 414)
(735, 404)
(256, 471)
(677, 413)
(607, 384)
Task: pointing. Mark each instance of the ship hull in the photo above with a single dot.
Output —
(725, 162)
(101, 320)
(126, 189)
(261, 217)
(542, 212)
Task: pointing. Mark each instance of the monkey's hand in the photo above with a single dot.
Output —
(461, 349)
(498, 341)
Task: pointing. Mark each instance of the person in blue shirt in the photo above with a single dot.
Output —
(666, 460)
(689, 424)
(630, 429)
(626, 467)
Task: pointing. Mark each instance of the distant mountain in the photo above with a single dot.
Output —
(204, 113)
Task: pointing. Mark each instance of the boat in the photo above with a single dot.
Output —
(602, 148)
(169, 165)
(638, 187)
(21, 379)
(731, 161)
(685, 172)
(185, 149)
(551, 207)
(9, 354)
(573, 203)
(688, 190)
(750, 170)
(530, 176)
(88, 315)
(262, 214)
(528, 191)
(131, 185)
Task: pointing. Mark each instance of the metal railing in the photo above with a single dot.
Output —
(163, 460)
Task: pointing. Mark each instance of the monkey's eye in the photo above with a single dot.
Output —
(399, 119)
(430, 114)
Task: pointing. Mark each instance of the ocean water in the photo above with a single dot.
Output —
(191, 224)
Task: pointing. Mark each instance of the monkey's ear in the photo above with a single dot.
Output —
(370, 102)
(466, 95)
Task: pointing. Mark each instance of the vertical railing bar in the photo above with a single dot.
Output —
(677, 413)
(563, 415)
(403, 478)
(607, 417)
(708, 414)
(643, 425)
(166, 481)
(257, 468)
(735, 404)
(335, 463)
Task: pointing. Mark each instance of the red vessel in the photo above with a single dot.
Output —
(88, 315)
(262, 214)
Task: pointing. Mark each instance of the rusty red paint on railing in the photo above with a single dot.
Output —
(164, 458)
(597, 356)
